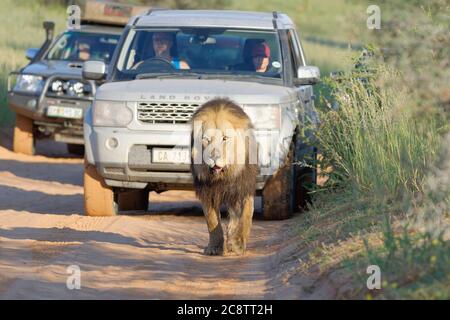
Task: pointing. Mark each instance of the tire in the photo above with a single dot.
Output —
(133, 200)
(277, 196)
(99, 198)
(306, 177)
(77, 149)
(23, 141)
(286, 191)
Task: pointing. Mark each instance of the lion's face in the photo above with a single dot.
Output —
(223, 150)
(216, 143)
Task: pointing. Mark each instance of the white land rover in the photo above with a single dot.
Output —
(166, 65)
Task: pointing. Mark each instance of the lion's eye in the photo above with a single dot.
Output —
(225, 138)
(207, 139)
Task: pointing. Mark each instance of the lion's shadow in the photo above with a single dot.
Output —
(188, 208)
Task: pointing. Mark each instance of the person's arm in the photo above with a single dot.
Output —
(184, 65)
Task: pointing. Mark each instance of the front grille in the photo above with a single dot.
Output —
(164, 112)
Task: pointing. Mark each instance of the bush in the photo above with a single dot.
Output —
(372, 140)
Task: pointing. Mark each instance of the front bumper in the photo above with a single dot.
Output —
(129, 165)
(35, 107)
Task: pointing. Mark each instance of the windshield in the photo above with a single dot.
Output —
(82, 46)
(201, 52)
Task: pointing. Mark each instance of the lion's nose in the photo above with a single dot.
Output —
(216, 154)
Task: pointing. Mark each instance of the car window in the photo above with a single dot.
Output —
(294, 51)
(82, 46)
(298, 46)
(200, 50)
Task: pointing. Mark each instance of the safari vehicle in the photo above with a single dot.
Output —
(137, 132)
(49, 95)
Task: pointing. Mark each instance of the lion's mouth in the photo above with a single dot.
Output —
(216, 169)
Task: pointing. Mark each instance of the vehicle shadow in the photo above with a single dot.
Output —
(44, 147)
(64, 235)
(66, 173)
(12, 198)
(17, 199)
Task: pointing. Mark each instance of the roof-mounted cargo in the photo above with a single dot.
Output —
(108, 13)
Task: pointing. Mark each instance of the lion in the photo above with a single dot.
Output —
(224, 169)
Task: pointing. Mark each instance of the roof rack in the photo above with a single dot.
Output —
(155, 9)
(274, 20)
(108, 13)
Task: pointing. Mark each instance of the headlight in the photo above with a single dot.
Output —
(78, 88)
(29, 83)
(57, 86)
(111, 113)
(264, 116)
(72, 88)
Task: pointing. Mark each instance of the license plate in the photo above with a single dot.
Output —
(64, 112)
(172, 155)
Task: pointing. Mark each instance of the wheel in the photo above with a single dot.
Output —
(24, 141)
(286, 191)
(305, 178)
(77, 149)
(133, 200)
(99, 199)
(277, 195)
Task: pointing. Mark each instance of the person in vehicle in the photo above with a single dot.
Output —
(84, 51)
(163, 45)
(256, 56)
(261, 56)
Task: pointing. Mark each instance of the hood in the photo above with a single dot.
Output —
(48, 68)
(195, 90)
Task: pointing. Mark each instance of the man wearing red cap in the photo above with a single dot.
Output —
(260, 56)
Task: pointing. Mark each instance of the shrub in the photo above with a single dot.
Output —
(372, 139)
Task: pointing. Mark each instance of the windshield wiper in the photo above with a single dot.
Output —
(243, 76)
(232, 76)
(161, 75)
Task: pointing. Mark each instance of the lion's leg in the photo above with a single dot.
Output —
(247, 216)
(233, 227)
(240, 225)
(215, 245)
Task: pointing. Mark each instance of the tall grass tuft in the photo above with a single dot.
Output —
(371, 138)
(21, 28)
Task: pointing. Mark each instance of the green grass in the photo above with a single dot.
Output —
(414, 266)
(21, 28)
(387, 199)
(374, 141)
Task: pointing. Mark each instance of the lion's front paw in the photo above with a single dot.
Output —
(213, 250)
(236, 246)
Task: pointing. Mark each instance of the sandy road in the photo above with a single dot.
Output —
(154, 256)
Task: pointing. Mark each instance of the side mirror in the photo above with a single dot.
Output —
(307, 75)
(94, 70)
(31, 53)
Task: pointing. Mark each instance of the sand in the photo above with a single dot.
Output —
(156, 255)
